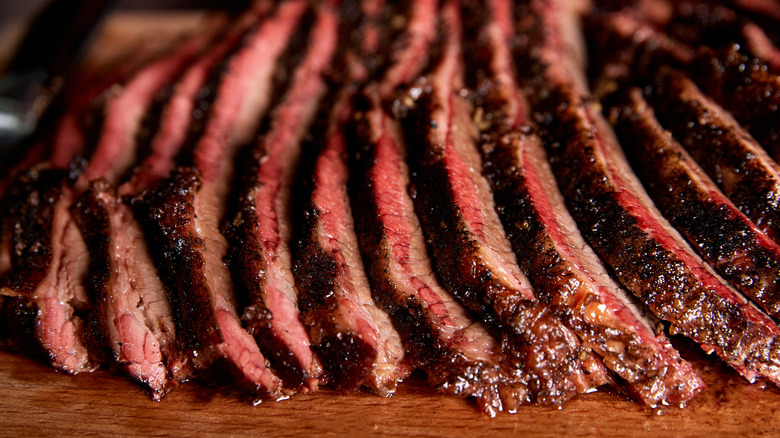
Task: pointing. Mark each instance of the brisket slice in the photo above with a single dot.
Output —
(565, 271)
(58, 296)
(261, 259)
(409, 61)
(44, 292)
(618, 219)
(182, 215)
(354, 338)
(457, 353)
(744, 87)
(624, 49)
(132, 323)
(115, 151)
(129, 308)
(741, 252)
(726, 152)
(471, 254)
(645, 253)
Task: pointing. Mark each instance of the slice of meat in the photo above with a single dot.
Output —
(182, 214)
(471, 254)
(125, 107)
(619, 220)
(354, 338)
(439, 335)
(407, 63)
(741, 252)
(60, 291)
(60, 139)
(726, 152)
(624, 49)
(744, 87)
(565, 271)
(43, 297)
(261, 259)
(457, 353)
(132, 323)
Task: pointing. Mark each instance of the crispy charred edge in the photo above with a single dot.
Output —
(29, 201)
(449, 370)
(526, 327)
(720, 147)
(745, 86)
(656, 275)
(90, 216)
(166, 212)
(346, 357)
(723, 235)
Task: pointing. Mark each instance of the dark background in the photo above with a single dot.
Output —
(14, 10)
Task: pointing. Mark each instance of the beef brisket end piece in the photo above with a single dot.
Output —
(261, 231)
(726, 152)
(43, 298)
(566, 273)
(471, 254)
(743, 86)
(458, 354)
(732, 244)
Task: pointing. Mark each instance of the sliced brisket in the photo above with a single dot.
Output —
(182, 215)
(458, 354)
(261, 259)
(132, 322)
(744, 87)
(618, 219)
(741, 252)
(565, 271)
(42, 296)
(471, 254)
(726, 152)
(355, 339)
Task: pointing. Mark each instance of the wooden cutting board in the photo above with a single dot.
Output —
(36, 400)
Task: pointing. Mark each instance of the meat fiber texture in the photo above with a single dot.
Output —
(334, 193)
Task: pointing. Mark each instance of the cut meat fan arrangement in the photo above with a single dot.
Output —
(523, 200)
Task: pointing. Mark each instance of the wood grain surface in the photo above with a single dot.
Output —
(35, 400)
